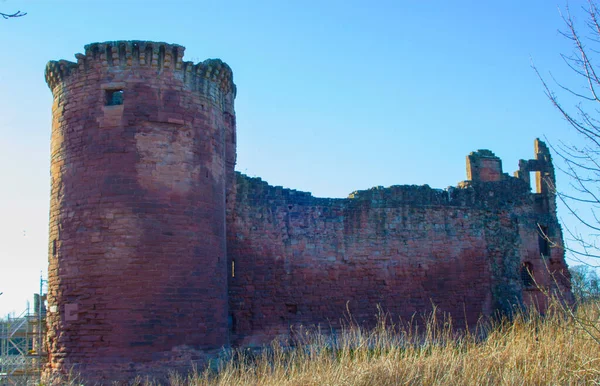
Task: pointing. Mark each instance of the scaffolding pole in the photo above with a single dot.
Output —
(22, 352)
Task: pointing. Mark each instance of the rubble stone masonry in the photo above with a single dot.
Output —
(160, 254)
(301, 260)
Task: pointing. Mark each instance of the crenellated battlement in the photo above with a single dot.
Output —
(156, 55)
(57, 71)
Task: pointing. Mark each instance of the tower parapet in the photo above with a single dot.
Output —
(213, 77)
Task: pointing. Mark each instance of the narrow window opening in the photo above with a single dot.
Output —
(232, 268)
(232, 323)
(54, 248)
(543, 241)
(527, 275)
(114, 97)
(533, 182)
(292, 308)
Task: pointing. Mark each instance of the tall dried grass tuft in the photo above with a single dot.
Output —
(557, 348)
(530, 349)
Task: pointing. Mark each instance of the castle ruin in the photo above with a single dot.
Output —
(160, 254)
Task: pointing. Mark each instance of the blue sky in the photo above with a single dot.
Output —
(333, 96)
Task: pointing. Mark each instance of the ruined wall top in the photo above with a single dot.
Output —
(510, 192)
(483, 153)
(541, 150)
(484, 166)
(486, 186)
(130, 54)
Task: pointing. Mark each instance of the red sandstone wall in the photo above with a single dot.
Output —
(303, 260)
(490, 170)
(137, 261)
(550, 271)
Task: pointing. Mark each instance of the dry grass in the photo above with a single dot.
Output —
(530, 350)
(560, 348)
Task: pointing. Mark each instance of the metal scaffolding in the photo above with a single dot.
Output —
(22, 351)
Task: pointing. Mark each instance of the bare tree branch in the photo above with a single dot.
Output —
(579, 105)
(12, 15)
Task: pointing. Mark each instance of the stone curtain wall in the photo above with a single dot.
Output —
(142, 147)
(301, 260)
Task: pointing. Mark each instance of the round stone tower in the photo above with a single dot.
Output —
(142, 159)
